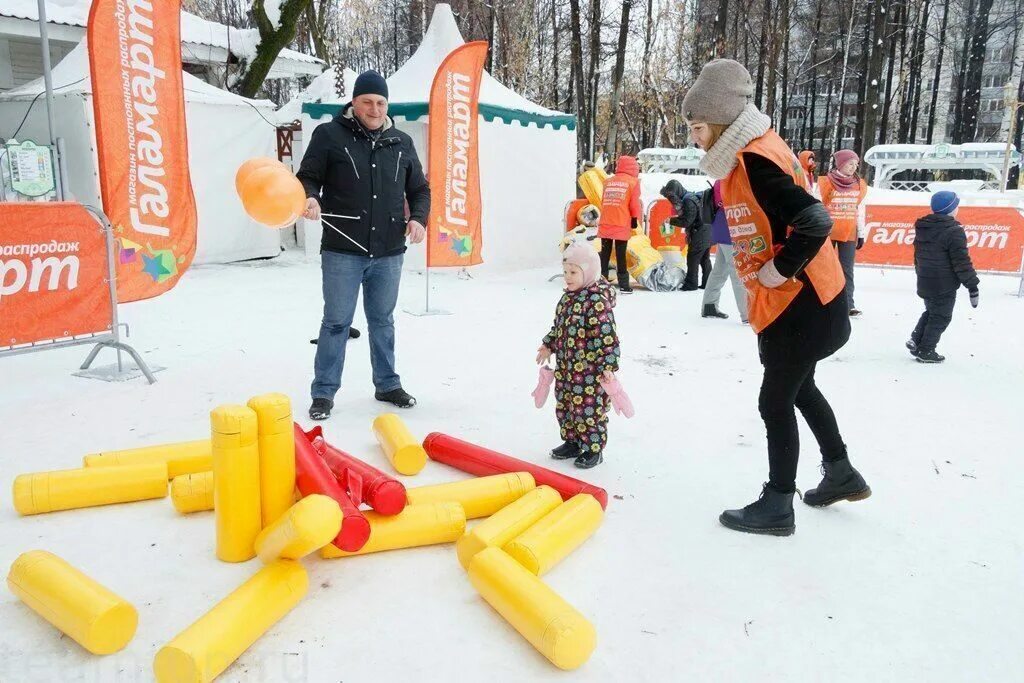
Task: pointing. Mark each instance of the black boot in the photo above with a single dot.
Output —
(353, 333)
(321, 409)
(711, 311)
(568, 449)
(624, 285)
(912, 347)
(397, 397)
(840, 482)
(770, 514)
(689, 286)
(928, 356)
(589, 459)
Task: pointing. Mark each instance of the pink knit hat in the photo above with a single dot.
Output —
(585, 257)
(844, 155)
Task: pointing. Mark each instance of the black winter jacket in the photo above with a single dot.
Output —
(366, 179)
(689, 207)
(941, 258)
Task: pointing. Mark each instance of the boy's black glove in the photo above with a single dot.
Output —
(860, 242)
(973, 293)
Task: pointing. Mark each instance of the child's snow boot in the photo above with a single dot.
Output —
(771, 514)
(589, 459)
(912, 347)
(568, 449)
(841, 482)
(321, 409)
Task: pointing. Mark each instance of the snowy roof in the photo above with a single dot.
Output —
(194, 30)
(940, 152)
(667, 159)
(71, 75)
(409, 87)
(321, 89)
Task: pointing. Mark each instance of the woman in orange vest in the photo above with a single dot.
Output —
(810, 166)
(794, 284)
(842, 192)
(620, 214)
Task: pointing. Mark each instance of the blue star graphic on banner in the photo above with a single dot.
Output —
(154, 267)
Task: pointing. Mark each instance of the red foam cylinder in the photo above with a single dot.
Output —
(313, 476)
(482, 462)
(364, 482)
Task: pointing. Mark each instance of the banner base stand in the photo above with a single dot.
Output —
(118, 372)
(422, 312)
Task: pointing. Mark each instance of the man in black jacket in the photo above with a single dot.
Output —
(943, 263)
(359, 171)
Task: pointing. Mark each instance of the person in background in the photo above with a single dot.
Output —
(810, 166)
(621, 211)
(842, 192)
(713, 213)
(687, 206)
(362, 171)
(943, 263)
(794, 283)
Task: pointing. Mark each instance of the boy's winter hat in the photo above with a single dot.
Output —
(720, 94)
(945, 202)
(370, 83)
(586, 258)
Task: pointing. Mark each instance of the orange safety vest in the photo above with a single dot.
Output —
(619, 205)
(842, 205)
(751, 233)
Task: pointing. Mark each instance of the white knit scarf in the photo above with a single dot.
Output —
(721, 158)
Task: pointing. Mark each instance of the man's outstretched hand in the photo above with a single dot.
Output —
(312, 211)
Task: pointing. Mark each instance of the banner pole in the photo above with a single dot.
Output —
(44, 40)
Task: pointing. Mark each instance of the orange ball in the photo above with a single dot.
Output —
(247, 168)
(273, 196)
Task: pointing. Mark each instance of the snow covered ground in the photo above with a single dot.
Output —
(923, 581)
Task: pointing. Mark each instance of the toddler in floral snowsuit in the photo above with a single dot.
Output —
(586, 348)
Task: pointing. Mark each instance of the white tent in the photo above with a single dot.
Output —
(223, 131)
(527, 154)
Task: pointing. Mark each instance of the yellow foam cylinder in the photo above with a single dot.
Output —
(308, 525)
(181, 458)
(192, 492)
(277, 454)
(405, 453)
(236, 481)
(416, 525)
(206, 648)
(92, 615)
(479, 497)
(556, 534)
(507, 523)
(547, 621)
(88, 487)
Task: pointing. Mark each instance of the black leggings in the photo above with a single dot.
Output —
(620, 257)
(783, 387)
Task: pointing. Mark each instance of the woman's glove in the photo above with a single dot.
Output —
(770, 277)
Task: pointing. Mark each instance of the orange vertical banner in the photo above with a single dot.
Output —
(454, 236)
(139, 107)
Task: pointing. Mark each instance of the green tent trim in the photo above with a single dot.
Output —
(411, 111)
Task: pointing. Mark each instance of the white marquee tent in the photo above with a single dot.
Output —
(527, 154)
(223, 131)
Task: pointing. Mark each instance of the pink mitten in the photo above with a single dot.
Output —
(620, 400)
(544, 380)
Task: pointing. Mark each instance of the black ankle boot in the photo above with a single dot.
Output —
(840, 482)
(624, 285)
(711, 311)
(770, 514)
(568, 449)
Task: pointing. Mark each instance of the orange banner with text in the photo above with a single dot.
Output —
(53, 273)
(139, 107)
(995, 236)
(454, 235)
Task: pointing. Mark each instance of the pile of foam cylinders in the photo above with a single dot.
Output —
(281, 494)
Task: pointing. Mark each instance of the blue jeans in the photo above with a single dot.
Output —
(343, 274)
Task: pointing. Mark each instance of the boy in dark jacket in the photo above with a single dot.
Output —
(943, 263)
